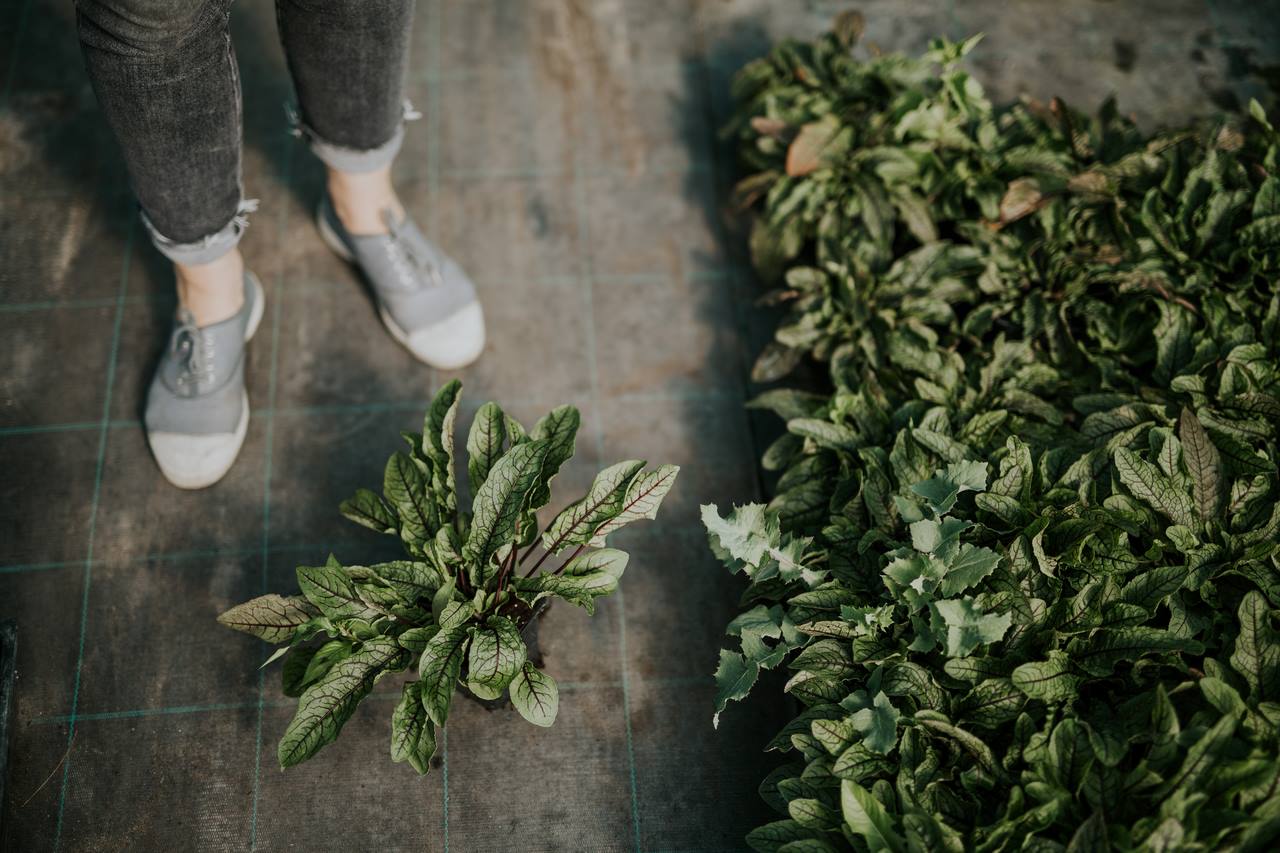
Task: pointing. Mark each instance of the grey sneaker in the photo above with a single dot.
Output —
(425, 299)
(197, 408)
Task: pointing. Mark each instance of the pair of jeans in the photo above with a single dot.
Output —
(165, 74)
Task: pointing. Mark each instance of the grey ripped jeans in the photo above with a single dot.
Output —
(166, 76)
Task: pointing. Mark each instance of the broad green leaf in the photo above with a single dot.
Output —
(643, 497)
(439, 668)
(1204, 464)
(577, 523)
(535, 695)
(413, 737)
(735, 676)
(367, 509)
(486, 442)
(1048, 680)
(497, 653)
(406, 489)
(501, 501)
(584, 579)
(333, 591)
(327, 705)
(968, 627)
(865, 816)
(1256, 655)
(559, 429)
(878, 724)
(274, 618)
(1149, 485)
(1099, 653)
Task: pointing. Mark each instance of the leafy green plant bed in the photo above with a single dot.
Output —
(463, 606)
(1023, 562)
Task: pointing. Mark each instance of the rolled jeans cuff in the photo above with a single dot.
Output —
(207, 249)
(354, 160)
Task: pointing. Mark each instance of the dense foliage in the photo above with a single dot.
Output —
(1023, 561)
(458, 606)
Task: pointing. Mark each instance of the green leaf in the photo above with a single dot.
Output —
(558, 429)
(865, 816)
(535, 695)
(643, 497)
(413, 737)
(332, 590)
(439, 668)
(367, 509)
(500, 502)
(967, 627)
(1048, 680)
(735, 676)
(577, 523)
(486, 442)
(1256, 655)
(1203, 463)
(497, 653)
(1099, 653)
(405, 488)
(1149, 485)
(584, 579)
(327, 705)
(878, 724)
(274, 618)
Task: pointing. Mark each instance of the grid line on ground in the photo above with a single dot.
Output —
(250, 704)
(87, 575)
(588, 284)
(680, 395)
(434, 23)
(277, 295)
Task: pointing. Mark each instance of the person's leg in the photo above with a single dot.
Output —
(165, 75)
(348, 59)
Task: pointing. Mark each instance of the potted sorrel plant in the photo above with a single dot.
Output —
(461, 607)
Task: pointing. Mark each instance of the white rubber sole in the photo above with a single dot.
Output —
(452, 344)
(199, 461)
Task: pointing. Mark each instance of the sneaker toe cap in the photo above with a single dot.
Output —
(451, 343)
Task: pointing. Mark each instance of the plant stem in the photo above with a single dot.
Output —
(572, 557)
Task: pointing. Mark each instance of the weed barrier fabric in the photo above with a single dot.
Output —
(568, 159)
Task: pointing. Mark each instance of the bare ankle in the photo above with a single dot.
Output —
(360, 199)
(212, 292)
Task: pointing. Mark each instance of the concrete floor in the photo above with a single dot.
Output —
(567, 157)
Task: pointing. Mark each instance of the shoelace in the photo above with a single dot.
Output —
(407, 261)
(195, 349)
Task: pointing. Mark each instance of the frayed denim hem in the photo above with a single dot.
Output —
(352, 159)
(208, 249)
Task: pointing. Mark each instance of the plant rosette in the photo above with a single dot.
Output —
(462, 609)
